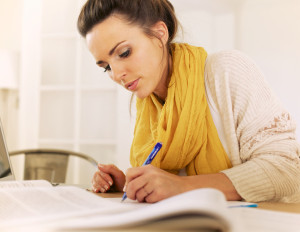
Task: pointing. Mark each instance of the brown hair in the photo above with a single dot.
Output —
(144, 13)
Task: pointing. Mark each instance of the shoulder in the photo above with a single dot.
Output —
(233, 69)
(237, 85)
(232, 62)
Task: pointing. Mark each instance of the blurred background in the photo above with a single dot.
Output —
(53, 95)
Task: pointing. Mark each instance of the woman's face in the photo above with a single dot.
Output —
(130, 57)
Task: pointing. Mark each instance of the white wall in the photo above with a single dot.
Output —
(10, 40)
(269, 32)
(10, 24)
(206, 23)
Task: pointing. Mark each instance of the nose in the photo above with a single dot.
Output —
(118, 73)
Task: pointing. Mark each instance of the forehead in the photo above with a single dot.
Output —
(108, 33)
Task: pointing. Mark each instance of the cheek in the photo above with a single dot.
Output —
(139, 60)
(146, 62)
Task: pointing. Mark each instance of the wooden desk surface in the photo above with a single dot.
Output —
(110, 195)
(283, 207)
(276, 206)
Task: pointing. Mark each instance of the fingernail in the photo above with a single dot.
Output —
(102, 190)
(106, 187)
(110, 183)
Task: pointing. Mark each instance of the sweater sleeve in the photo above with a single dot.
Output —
(260, 133)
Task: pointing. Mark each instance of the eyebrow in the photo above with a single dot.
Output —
(111, 51)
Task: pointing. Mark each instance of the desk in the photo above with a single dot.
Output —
(283, 207)
(110, 195)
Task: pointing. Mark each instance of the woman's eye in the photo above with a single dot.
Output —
(107, 68)
(125, 54)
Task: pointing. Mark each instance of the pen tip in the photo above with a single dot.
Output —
(124, 198)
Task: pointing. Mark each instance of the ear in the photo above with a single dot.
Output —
(161, 30)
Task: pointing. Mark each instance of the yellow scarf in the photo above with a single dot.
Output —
(184, 124)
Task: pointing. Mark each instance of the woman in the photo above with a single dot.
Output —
(220, 125)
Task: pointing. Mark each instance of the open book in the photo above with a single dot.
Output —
(38, 206)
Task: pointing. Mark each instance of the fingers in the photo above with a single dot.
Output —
(143, 194)
(151, 184)
(108, 177)
(133, 173)
(106, 172)
(102, 181)
(110, 169)
(134, 188)
(99, 184)
(137, 187)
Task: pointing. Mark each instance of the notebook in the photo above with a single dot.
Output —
(6, 172)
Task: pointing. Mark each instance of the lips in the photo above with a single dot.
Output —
(132, 85)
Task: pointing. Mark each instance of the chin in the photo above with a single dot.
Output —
(142, 95)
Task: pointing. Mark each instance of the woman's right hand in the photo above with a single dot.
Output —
(108, 177)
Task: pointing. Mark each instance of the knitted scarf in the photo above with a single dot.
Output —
(183, 124)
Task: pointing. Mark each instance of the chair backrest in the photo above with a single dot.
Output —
(49, 164)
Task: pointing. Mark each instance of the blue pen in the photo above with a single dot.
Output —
(153, 153)
(250, 205)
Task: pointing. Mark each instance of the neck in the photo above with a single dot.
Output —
(161, 101)
(162, 90)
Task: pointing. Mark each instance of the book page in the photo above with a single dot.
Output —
(24, 205)
(230, 204)
(74, 208)
(200, 205)
(25, 184)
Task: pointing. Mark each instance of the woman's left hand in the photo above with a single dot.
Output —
(151, 184)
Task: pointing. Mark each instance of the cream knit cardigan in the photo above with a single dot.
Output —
(259, 133)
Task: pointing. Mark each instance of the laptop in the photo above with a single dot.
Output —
(6, 172)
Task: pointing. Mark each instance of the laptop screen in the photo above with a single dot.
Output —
(6, 172)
